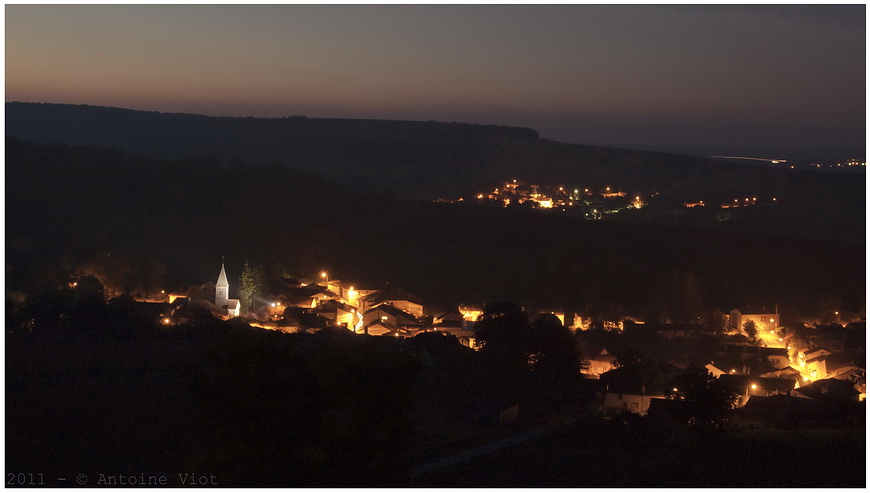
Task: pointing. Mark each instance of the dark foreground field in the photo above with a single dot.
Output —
(258, 408)
(584, 457)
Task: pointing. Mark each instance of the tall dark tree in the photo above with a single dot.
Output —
(503, 326)
(709, 403)
(556, 353)
(252, 282)
(505, 340)
(751, 331)
(529, 359)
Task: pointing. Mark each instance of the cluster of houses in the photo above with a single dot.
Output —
(594, 203)
(308, 307)
(785, 375)
(737, 203)
(771, 373)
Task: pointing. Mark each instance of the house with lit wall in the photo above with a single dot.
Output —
(765, 320)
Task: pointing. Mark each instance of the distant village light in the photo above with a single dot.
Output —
(754, 386)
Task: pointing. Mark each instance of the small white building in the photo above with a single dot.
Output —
(636, 402)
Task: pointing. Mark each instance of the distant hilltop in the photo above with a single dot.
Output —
(431, 160)
(413, 159)
(346, 128)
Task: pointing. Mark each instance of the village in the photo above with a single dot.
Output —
(593, 203)
(776, 372)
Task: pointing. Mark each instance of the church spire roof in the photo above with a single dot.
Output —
(222, 278)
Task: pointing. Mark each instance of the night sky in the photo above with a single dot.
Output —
(703, 79)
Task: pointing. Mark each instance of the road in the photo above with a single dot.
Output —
(481, 450)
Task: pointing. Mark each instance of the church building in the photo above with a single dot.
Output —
(222, 293)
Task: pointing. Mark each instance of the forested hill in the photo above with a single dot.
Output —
(411, 159)
(167, 223)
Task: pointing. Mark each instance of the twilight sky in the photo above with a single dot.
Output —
(703, 78)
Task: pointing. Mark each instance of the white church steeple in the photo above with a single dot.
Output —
(221, 288)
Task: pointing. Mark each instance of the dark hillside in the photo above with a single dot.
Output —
(64, 205)
(413, 159)
(362, 154)
(426, 160)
